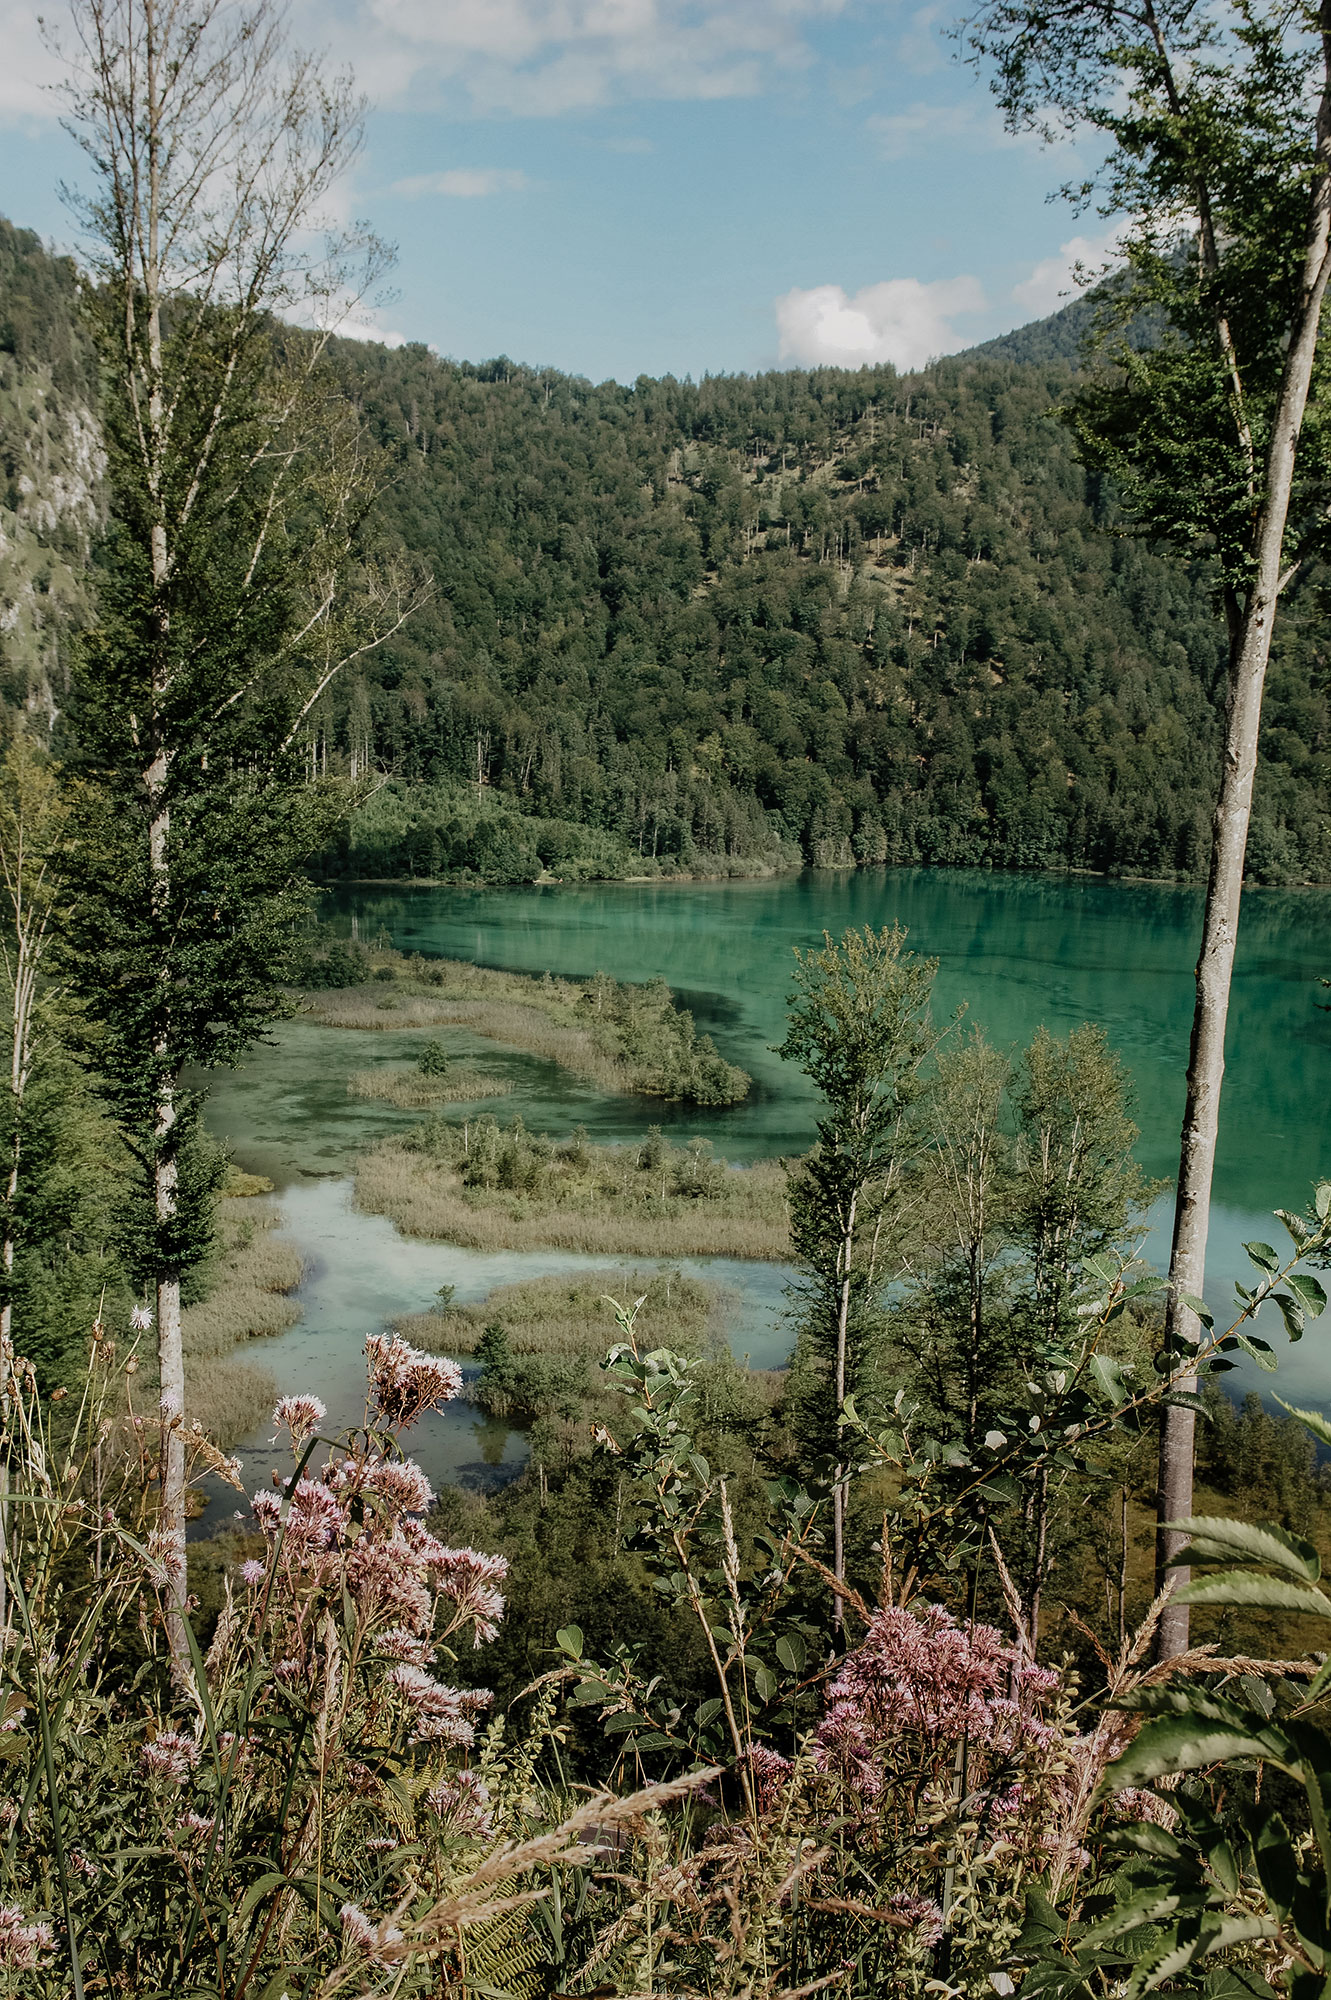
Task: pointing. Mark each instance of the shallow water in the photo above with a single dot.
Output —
(1018, 951)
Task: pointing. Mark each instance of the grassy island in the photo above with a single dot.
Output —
(619, 1036)
(504, 1188)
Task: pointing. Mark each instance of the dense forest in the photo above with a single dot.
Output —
(730, 625)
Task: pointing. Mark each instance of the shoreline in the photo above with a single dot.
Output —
(738, 879)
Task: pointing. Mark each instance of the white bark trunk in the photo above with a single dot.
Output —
(1201, 1117)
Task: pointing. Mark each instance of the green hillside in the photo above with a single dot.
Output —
(729, 625)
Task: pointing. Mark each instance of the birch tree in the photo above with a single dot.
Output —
(233, 587)
(1217, 126)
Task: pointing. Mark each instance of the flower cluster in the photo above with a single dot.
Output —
(406, 1383)
(360, 1934)
(301, 1415)
(21, 1943)
(929, 1681)
(170, 1756)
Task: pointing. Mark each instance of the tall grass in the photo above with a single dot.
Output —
(250, 1280)
(413, 1091)
(619, 1037)
(602, 1200)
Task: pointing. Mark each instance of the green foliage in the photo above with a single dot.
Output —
(859, 1028)
(434, 1060)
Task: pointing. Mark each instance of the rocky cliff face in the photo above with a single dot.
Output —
(51, 470)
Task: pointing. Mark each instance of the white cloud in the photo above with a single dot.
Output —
(1054, 281)
(465, 182)
(902, 320)
(29, 68)
(542, 57)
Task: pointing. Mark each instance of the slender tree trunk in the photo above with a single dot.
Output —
(170, 1346)
(1201, 1117)
(839, 1490)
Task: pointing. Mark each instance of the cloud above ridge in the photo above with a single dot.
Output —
(535, 58)
(905, 321)
(464, 183)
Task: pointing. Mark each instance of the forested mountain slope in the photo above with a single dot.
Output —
(831, 615)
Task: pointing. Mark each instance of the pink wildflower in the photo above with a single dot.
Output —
(406, 1382)
(386, 1581)
(171, 1756)
(769, 1771)
(929, 1678)
(361, 1934)
(466, 1578)
(402, 1484)
(922, 1915)
(301, 1415)
(463, 1800)
(439, 1712)
(253, 1573)
(21, 1944)
(196, 1826)
(395, 1644)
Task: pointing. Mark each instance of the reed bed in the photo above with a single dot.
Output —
(613, 1209)
(392, 1083)
(620, 1037)
(248, 1298)
(496, 1014)
(570, 1317)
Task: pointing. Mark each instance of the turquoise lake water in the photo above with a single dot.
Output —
(1017, 951)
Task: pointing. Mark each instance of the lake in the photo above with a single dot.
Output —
(1016, 951)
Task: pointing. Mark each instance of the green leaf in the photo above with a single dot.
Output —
(1322, 1200)
(1311, 1295)
(1109, 1374)
(569, 1640)
(1200, 1308)
(258, 1890)
(1292, 1314)
(1189, 1742)
(1216, 1538)
(1263, 1255)
(792, 1652)
(1153, 1971)
(1148, 1906)
(615, 1725)
(765, 1681)
(1312, 1420)
(1263, 1593)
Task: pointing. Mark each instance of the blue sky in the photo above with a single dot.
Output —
(625, 187)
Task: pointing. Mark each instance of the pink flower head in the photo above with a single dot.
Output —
(438, 1712)
(22, 1943)
(463, 1800)
(928, 1678)
(253, 1573)
(401, 1484)
(386, 1582)
(301, 1415)
(140, 1318)
(170, 1756)
(769, 1771)
(360, 1934)
(195, 1826)
(395, 1644)
(921, 1914)
(467, 1579)
(406, 1382)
